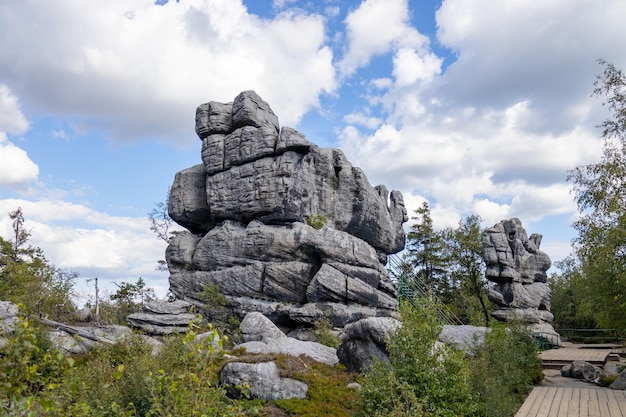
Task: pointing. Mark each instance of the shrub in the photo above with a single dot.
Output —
(316, 221)
(323, 330)
(505, 368)
(424, 378)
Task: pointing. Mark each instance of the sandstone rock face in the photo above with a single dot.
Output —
(247, 207)
(517, 267)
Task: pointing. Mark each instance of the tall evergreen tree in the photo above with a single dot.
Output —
(427, 254)
(467, 269)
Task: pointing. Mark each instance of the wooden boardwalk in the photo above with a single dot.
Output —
(573, 402)
(556, 358)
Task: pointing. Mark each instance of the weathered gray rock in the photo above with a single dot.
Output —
(70, 344)
(365, 341)
(582, 370)
(263, 379)
(262, 336)
(247, 207)
(83, 315)
(524, 315)
(291, 264)
(518, 268)
(163, 317)
(187, 201)
(620, 381)
(463, 338)
(8, 316)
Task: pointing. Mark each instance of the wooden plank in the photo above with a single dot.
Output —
(603, 402)
(552, 409)
(621, 401)
(574, 404)
(613, 404)
(565, 402)
(536, 396)
(594, 407)
(584, 403)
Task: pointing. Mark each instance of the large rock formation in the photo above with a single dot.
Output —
(250, 208)
(517, 267)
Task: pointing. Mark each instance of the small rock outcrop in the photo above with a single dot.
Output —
(620, 382)
(163, 317)
(263, 381)
(582, 370)
(280, 225)
(260, 335)
(517, 268)
(464, 338)
(8, 319)
(365, 341)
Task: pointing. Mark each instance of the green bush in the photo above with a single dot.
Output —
(316, 221)
(323, 330)
(424, 378)
(505, 368)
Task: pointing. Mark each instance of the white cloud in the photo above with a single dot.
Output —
(374, 28)
(409, 66)
(17, 170)
(77, 238)
(136, 69)
(11, 118)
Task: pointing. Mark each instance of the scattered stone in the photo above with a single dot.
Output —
(8, 316)
(263, 381)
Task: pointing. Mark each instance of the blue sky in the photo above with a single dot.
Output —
(477, 106)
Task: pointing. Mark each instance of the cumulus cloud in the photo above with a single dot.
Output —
(93, 244)
(496, 130)
(376, 27)
(136, 69)
(17, 170)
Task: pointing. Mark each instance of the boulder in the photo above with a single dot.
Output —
(620, 381)
(365, 341)
(463, 338)
(262, 336)
(8, 316)
(263, 381)
(582, 370)
(83, 315)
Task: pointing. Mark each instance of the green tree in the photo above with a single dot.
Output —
(572, 298)
(600, 192)
(427, 255)
(130, 297)
(29, 279)
(467, 268)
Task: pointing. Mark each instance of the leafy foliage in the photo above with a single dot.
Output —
(425, 378)
(600, 192)
(28, 279)
(130, 297)
(316, 221)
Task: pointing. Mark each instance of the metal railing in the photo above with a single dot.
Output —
(413, 290)
(593, 335)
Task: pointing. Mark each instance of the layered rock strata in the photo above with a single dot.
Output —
(254, 211)
(517, 268)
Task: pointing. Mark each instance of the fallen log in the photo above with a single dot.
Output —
(76, 331)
